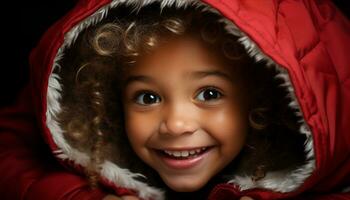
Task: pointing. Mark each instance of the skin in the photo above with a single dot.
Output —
(199, 105)
(112, 197)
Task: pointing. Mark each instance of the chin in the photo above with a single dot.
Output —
(185, 185)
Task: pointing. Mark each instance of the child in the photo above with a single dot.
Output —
(170, 100)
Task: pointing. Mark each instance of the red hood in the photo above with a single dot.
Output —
(303, 39)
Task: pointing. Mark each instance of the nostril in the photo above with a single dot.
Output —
(177, 127)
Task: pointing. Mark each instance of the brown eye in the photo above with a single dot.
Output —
(209, 94)
(147, 98)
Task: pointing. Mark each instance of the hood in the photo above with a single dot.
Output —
(289, 37)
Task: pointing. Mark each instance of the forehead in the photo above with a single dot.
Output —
(180, 55)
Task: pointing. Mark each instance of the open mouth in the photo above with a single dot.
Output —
(184, 158)
(181, 159)
(184, 154)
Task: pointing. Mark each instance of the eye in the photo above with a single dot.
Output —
(209, 94)
(147, 98)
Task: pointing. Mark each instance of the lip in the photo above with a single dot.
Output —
(183, 163)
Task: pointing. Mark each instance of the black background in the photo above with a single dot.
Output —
(22, 25)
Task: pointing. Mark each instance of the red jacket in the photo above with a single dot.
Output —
(307, 39)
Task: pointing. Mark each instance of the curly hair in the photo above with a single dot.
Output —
(102, 54)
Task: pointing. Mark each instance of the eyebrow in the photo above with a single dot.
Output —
(203, 74)
(137, 78)
(196, 75)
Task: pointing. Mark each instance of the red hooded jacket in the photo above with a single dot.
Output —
(306, 40)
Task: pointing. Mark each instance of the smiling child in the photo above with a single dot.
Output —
(178, 95)
(184, 99)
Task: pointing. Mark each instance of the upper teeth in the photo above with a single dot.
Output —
(184, 153)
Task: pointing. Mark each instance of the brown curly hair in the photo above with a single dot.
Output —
(93, 79)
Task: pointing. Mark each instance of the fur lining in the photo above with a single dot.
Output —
(345, 190)
(282, 181)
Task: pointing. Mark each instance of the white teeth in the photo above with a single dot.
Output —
(184, 154)
(177, 153)
(167, 152)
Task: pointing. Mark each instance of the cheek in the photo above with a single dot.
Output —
(139, 127)
(229, 127)
(227, 119)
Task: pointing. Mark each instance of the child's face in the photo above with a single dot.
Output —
(183, 113)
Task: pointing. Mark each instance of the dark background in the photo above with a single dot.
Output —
(23, 23)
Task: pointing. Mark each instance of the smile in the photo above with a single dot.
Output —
(185, 153)
(184, 158)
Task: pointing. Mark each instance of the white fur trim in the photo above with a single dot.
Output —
(277, 181)
(121, 176)
(345, 190)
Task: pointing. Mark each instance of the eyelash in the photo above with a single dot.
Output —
(210, 88)
(156, 98)
(144, 92)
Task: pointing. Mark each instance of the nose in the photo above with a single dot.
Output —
(178, 120)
